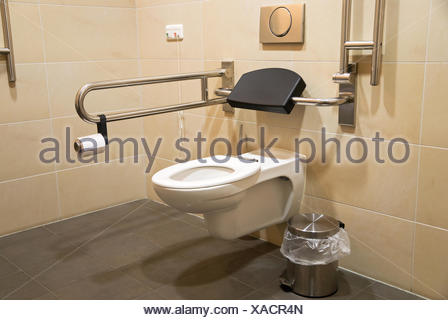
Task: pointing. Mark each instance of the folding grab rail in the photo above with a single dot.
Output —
(7, 38)
(226, 73)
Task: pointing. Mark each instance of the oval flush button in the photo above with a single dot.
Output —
(280, 22)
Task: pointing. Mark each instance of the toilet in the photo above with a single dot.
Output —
(236, 195)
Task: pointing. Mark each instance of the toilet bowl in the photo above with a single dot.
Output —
(236, 195)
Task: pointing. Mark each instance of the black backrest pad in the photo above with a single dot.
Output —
(267, 90)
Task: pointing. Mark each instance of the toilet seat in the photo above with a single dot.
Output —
(208, 173)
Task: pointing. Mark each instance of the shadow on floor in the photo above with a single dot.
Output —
(145, 250)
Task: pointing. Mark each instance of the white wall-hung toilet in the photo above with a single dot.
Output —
(238, 196)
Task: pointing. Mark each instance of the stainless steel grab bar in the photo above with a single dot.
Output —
(226, 73)
(376, 45)
(327, 102)
(318, 102)
(7, 38)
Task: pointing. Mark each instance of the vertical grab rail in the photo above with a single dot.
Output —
(377, 52)
(376, 45)
(7, 38)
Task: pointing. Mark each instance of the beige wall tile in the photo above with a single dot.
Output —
(158, 95)
(393, 108)
(381, 245)
(433, 181)
(152, 22)
(65, 79)
(26, 33)
(405, 28)
(239, 22)
(191, 90)
(213, 128)
(93, 3)
(81, 33)
(167, 127)
(148, 3)
(431, 259)
(28, 99)
(27, 203)
(435, 114)
(273, 234)
(438, 37)
(26, 1)
(158, 165)
(388, 188)
(21, 148)
(94, 187)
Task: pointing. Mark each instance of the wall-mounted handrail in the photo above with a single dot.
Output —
(103, 85)
(7, 38)
(302, 101)
(376, 45)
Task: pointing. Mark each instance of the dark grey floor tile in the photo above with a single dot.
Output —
(390, 293)
(209, 283)
(162, 268)
(84, 228)
(254, 268)
(47, 296)
(6, 268)
(193, 220)
(172, 233)
(273, 289)
(353, 280)
(35, 250)
(19, 286)
(23, 238)
(257, 244)
(117, 250)
(150, 295)
(366, 295)
(258, 295)
(141, 219)
(208, 248)
(105, 286)
(73, 268)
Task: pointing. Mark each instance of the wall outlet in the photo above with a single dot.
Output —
(174, 32)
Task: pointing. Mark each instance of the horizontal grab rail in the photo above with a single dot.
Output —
(103, 85)
(326, 102)
(319, 102)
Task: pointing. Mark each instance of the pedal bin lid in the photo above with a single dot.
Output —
(313, 226)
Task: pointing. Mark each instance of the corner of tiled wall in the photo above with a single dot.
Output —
(394, 213)
(60, 45)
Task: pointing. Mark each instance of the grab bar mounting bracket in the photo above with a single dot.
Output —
(228, 82)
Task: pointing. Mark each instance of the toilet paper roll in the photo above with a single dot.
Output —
(93, 143)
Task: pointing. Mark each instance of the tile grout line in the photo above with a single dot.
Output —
(382, 282)
(50, 109)
(68, 218)
(420, 149)
(140, 72)
(122, 161)
(376, 212)
(73, 251)
(29, 280)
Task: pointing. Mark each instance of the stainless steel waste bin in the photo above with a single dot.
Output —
(319, 280)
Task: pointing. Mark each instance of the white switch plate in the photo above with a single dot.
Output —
(174, 32)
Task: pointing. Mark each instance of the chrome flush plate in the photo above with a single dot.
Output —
(282, 23)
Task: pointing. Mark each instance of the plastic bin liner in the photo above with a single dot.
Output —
(311, 252)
